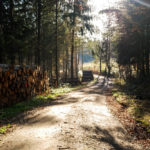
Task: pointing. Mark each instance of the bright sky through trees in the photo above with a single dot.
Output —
(98, 21)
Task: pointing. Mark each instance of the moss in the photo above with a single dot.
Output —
(116, 95)
(4, 129)
(114, 90)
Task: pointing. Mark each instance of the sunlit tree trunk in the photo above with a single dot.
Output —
(66, 71)
(51, 69)
(72, 42)
(100, 61)
(72, 53)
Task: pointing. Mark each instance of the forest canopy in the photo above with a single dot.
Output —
(43, 32)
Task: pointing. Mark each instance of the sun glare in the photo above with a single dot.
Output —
(98, 21)
(143, 2)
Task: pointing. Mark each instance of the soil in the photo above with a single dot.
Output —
(133, 127)
(80, 120)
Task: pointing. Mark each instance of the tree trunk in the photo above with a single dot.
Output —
(11, 9)
(72, 50)
(1, 13)
(66, 72)
(147, 61)
(72, 53)
(76, 57)
(63, 65)
(56, 50)
(147, 51)
(100, 61)
(82, 58)
(1, 21)
(39, 33)
(109, 68)
(106, 68)
(142, 59)
(51, 75)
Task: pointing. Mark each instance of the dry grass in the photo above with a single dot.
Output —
(94, 66)
(137, 108)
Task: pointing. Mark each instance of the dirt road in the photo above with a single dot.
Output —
(80, 120)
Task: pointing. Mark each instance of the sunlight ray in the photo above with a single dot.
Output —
(143, 3)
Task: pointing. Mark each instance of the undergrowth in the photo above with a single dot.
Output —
(9, 112)
(4, 129)
(126, 94)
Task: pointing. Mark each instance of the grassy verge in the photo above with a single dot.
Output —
(138, 108)
(36, 101)
(4, 129)
(9, 112)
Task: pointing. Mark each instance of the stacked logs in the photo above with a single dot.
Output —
(17, 83)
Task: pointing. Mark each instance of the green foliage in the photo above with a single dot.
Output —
(19, 24)
(4, 129)
(40, 100)
(28, 32)
(126, 94)
(133, 44)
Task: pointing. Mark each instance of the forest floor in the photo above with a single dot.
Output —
(79, 120)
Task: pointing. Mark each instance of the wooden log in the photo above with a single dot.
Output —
(0, 85)
(19, 72)
(1, 69)
(17, 83)
(6, 84)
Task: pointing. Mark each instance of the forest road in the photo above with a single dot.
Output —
(80, 120)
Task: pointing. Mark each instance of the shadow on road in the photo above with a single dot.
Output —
(97, 89)
(105, 136)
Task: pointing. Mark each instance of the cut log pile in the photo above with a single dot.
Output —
(18, 83)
